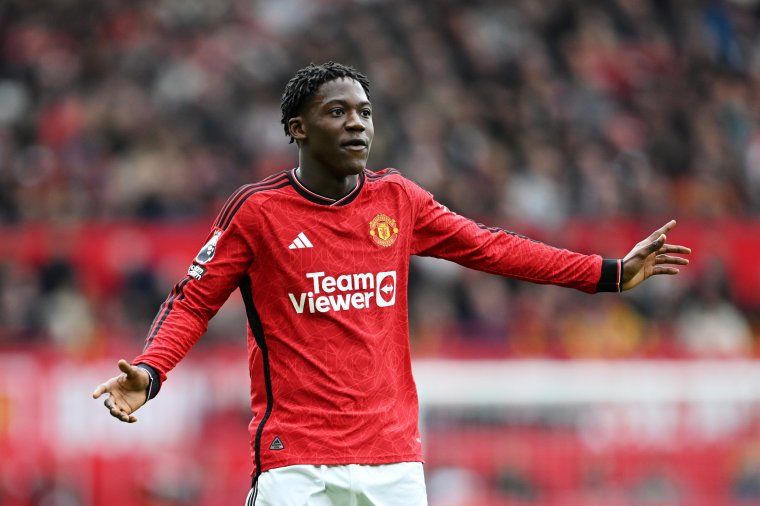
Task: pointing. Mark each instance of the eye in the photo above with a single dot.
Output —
(367, 113)
(336, 112)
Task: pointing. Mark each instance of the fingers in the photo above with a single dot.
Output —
(661, 233)
(105, 387)
(112, 403)
(655, 245)
(99, 390)
(118, 411)
(667, 259)
(672, 248)
(658, 238)
(664, 229)
(660, 247)
(127, 368)
(670, 271)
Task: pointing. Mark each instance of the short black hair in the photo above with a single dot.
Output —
(307, 81)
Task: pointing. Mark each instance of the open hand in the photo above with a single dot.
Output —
(651, 257)
(126, 392)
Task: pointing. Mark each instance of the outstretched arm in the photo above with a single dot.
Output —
(652, 257)
(126, 392)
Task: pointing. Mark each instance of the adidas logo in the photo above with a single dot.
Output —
(301, 242)
(277, 444)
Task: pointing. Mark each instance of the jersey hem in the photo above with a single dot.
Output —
(396, 459)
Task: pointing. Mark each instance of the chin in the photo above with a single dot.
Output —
(344, 166)
(353, 168)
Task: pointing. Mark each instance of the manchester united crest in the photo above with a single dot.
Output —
(383, 230)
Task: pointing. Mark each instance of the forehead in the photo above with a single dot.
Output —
(342, 89)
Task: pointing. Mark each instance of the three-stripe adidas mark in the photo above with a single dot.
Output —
(301, 242)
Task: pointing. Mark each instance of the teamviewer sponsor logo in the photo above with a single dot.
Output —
(344, 292)
(386, 288)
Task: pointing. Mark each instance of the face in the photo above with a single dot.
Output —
(335, 130)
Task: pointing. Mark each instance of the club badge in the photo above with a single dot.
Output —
(383, 230)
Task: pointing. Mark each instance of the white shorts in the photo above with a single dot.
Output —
(346, 485)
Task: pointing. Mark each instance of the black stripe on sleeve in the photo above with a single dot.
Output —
(374, 176)
(235, 199)
(497, 230)
(230, 201)
(244, 196)
(178, 293)
(231, 208)
(254, 322)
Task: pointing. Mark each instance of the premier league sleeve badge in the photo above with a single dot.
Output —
(207, 252)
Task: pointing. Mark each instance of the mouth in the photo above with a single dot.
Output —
(355, 145)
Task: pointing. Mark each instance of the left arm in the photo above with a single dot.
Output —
(441, 233)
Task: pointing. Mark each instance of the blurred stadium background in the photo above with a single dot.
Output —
(125, 125)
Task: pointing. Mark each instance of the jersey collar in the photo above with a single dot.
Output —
(326, 201)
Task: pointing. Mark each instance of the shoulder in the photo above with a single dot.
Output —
(251, 195)
(387, 174)
(387, 178)
(392, 177)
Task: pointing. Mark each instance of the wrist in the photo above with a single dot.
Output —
(611, 277)
(154, 381)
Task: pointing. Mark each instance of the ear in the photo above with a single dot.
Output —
(297, 128)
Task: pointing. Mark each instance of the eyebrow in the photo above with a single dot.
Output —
(341, 101)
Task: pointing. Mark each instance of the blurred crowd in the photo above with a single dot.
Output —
(513, 113)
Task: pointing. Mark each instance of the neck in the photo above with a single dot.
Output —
(327, 185)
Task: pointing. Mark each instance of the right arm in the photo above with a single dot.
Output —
(183, 317)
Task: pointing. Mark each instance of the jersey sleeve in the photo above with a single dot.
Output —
(213, 275)
(441, 233)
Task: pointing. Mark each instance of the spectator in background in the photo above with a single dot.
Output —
(150, 110)
(745, 486)
(709, 324)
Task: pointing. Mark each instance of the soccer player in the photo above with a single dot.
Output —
(320, 254)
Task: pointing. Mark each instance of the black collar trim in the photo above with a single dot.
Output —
(325, 201)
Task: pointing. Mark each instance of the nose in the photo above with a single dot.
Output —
(354, 121)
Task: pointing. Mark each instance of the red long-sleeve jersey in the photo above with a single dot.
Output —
(325, 289)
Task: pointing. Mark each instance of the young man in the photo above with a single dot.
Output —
(320, 255)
